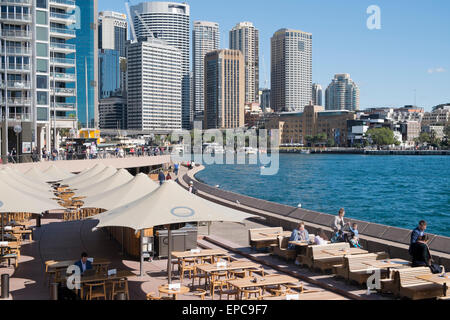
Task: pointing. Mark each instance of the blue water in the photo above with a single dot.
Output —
(393, 190)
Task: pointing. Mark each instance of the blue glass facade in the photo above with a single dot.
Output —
(108, 73)
(86, 42)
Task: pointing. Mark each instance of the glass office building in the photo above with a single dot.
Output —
(86, 43)
(109, 73)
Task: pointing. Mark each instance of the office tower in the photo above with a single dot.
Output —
(291, 70)
(224, 89)
(86, 43)
(169, 21)
(265, 100)
(205, 38)
(342, 94)
(317, 94)
(38, 74)
(109, 74)
(112, 31)
(154, 86)
(245, 37)
(113, 113)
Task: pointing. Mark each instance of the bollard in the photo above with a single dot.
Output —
(54, 292)
(121, 296)
(38, 222)
(5, 286)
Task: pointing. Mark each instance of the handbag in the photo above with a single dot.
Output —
(436, 269)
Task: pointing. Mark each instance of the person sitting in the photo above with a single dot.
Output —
(354, 236)
(84, 264)
(168, 177)
(339, 226)
(299, 234)
(418, 232)
(421, 256)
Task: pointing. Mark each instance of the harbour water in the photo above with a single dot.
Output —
(393, 190)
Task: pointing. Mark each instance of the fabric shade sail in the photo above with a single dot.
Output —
(37, 175)
(84, 174)
(99, 177)
(138, 187)
(118, 179)
(57, 173)
(21, 178)
(44, 192)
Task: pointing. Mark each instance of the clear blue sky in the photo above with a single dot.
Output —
(410, 52)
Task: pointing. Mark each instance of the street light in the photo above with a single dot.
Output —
(17, 130)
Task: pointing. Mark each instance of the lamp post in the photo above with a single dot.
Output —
(3, 235)
(17, 130)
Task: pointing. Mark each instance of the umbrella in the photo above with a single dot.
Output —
(13, 200)
(57, 173)
(120, 178)
(169, 204)
(99, 177)
(135, 189)
(84, 174)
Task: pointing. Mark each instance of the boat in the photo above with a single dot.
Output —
(305, 151)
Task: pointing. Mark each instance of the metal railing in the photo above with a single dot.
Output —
(66, 2)
(16, 67)
(17, 16)
(62, 31)
(16, 84)
(16, 33)
(16, 102)
(63, 16)
(63, 76)
(16, 50)
(17, 1)
(56, 45)
(62, 61)
(69, 91)
(70, 106)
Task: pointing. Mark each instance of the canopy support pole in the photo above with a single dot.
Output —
(123, 253)
(169, 254)
(142, 255)
(3, 235)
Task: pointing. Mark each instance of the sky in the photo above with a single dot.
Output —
(407, 60)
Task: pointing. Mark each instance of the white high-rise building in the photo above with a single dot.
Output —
(169, 21)
(37, 73)
(342, 94)
(205, 38)
(154, 86)
(112, 31)
(317, 94)
(291, 70)
(245, 37)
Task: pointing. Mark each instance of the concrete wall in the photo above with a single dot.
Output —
(374, 237)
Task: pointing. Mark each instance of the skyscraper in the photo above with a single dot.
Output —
(291, 70)
(154, 86)
(169, 21)
(37, 73)
(112, 31)
(317, 94)
(224, 89)
(86, 43)
(265, 100)
(205, 38)
(342, 94)
(245, 37)
(109, 73)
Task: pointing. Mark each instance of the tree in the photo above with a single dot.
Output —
(382, 136)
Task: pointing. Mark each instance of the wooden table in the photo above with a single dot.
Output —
(68, 263)
(300, 243)
(275, 235)
(269, 280)
(387, 263)
(202, 253)
(350, 251)
(175, 292)
(236, 265)
(436, 278)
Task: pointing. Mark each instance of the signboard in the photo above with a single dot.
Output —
(26, 147)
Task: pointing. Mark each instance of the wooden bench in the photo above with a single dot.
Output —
(354, 269)
(315, 258)
(264, 237)
(282, 250)
(406, 284)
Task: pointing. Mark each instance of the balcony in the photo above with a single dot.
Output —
(63, 4)
(16, 102)
(19, 117)
(63, 77)
(16, 68)
(16, 85)
(16, 17)
(16, 2)
(65, 18)
(62, 33)
(63, 92)
(63, 62)
(62, 47)
(63, 106)
(16, 51)
(17, 34)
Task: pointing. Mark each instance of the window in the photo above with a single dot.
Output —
(42, 98)
(41, 4)
(41, 17)
(41, 34)
(42, 82)
(41, 49)
(42, 65)
(42, 114)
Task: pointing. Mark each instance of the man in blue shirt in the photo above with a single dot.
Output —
(299, 234)
(161, 177)
(84, 264)
(416, 233)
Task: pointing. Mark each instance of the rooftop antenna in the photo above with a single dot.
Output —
(266, 79)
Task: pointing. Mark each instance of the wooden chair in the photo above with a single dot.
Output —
(152, 297)
(96, 290)
(217, 281)
(199, 293)
(187, 265)
(248, 292)
(295, 287)
(259, 270)
(199, 275)
(229, 292)
(209, 259)
(120, 286)
(234, 274)
(222, 257)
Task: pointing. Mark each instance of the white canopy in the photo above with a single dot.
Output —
(57, 173)
(169, 204)
(99, 177)
(26, 181)
(120, 178)
(84, 174)
(37, 175)
(135, 189)
(36, 191)
(20, 201)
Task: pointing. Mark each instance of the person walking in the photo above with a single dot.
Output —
(161, 177)
(176, 167)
